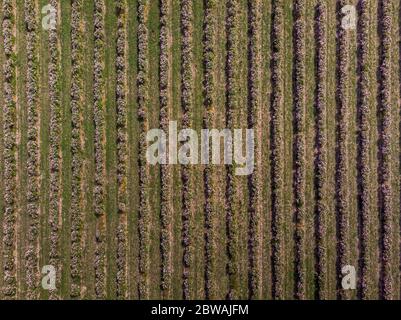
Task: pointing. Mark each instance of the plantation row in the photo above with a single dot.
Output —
(320, 163)
(165, 170)
(299, 146)
(385, 188)
(324, 190)
(342, 136)
(9, 152)
(143, 101)
(33, 160)
(231, 106)
(254, 181)
(276, 145)
(76, 149)
(364, 148)
(100, 152)
(122, 150)
(187, 106)
(55, 219)
(209, 64)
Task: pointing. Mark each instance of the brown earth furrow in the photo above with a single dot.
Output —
(33, 159)
(277, 150)
(385, 122)
(363, 143)
(320, 165)
(299, 182)
(9, 152)
(100, 152)
(143, 101)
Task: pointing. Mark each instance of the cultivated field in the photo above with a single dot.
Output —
(77, 193)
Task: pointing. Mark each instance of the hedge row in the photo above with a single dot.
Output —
(364, 116)
(100, 152)
(55, 218)
(165, 171)
(385, 180)
(231, 107)
(342, 170)
(277, 149)
(143, 101)
(209, 65)
(187, 105)
(122, 149)
(33, 156)
(9, 152)
(299, 184)
(76, 149)
(320, 163)
(254, 122)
